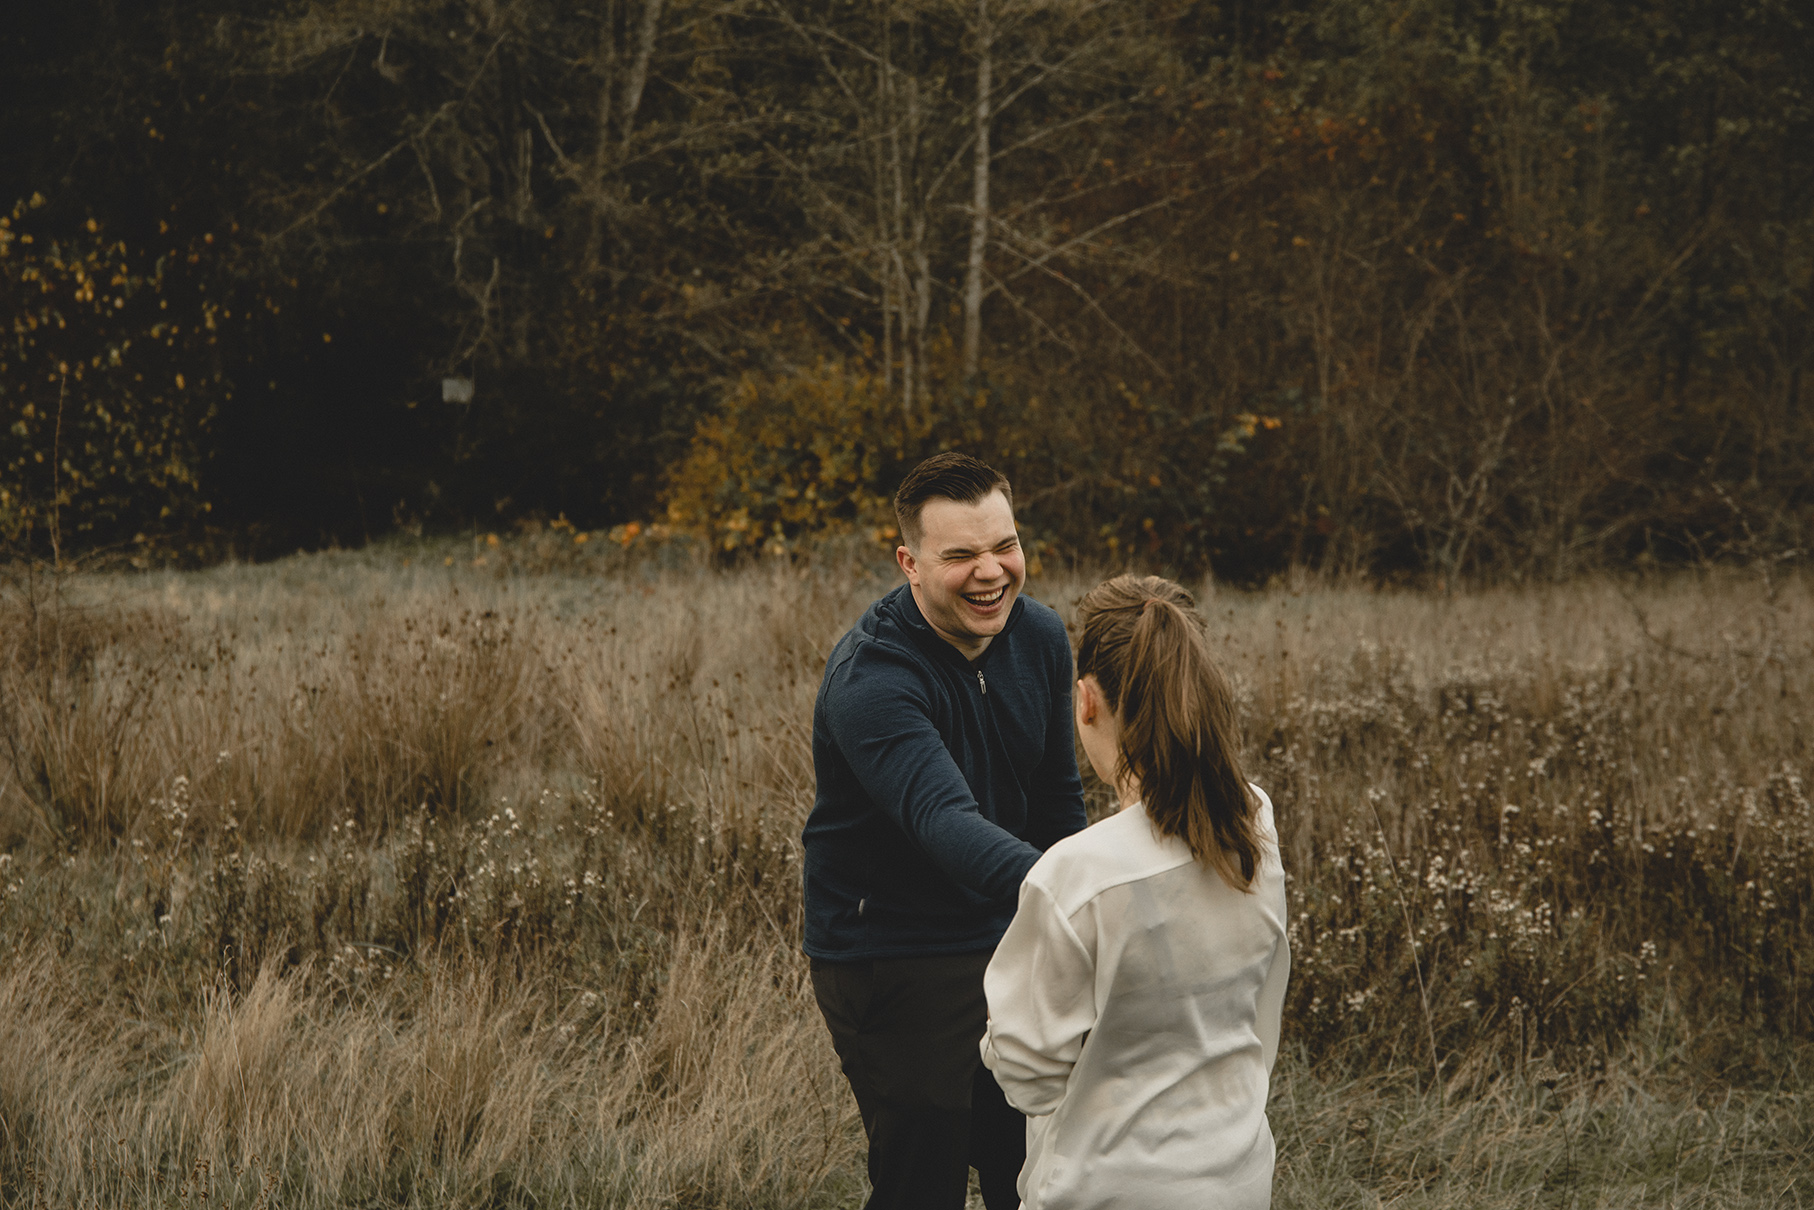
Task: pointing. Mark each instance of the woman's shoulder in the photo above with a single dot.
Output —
(1263, 814)
(1111, 852)
(1263, 810)
(1124, 848)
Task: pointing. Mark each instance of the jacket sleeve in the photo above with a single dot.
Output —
(1041, 988)
(1055, 798)
(880, 715)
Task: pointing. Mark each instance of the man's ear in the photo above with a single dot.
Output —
(909, 565)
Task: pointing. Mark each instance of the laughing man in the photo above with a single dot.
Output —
(942, 744)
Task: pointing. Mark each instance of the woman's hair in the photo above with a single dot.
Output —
(1143, 642)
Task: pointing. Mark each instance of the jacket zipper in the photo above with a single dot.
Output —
(982, 682)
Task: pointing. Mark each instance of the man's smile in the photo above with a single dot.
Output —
(986, 600)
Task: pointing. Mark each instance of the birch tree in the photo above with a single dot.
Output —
(903, 163)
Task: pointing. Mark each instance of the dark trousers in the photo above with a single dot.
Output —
(906, 1031)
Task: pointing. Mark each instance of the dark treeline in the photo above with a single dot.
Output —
(1506, 289)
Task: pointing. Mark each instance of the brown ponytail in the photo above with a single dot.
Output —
(1143, 642)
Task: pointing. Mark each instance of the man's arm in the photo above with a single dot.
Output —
(883, 726)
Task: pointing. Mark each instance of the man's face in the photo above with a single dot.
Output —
(968, 570)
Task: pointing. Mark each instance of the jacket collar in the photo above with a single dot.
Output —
(907, 609)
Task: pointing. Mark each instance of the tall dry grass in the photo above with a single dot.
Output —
(344, 880)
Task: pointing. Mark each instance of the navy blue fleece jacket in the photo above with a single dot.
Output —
(940, 782)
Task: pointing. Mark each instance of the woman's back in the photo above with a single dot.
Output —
(1135, 1005)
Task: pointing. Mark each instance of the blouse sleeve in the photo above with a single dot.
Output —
(1271, 1005)
(1042, 1004)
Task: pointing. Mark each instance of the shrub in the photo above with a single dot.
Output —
(807, 451)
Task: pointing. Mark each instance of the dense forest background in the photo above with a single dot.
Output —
(1444, 289)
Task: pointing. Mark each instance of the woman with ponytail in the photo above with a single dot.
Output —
(1134, 1003)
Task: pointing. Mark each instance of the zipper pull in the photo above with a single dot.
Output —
(982, 682)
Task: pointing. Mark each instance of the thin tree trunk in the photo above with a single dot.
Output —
(922, 261)
(639, 68)
(601, 148)
(619, 97)
(922, 303)
(979, 206)
(898, 238)
(909, 237)
(884, 110)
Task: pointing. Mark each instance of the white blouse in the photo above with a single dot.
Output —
(1134, 1012)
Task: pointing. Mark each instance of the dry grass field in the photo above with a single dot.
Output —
(367, 879)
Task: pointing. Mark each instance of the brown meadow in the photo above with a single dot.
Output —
(363, 879)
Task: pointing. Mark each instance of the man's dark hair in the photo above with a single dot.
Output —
(947, 476)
